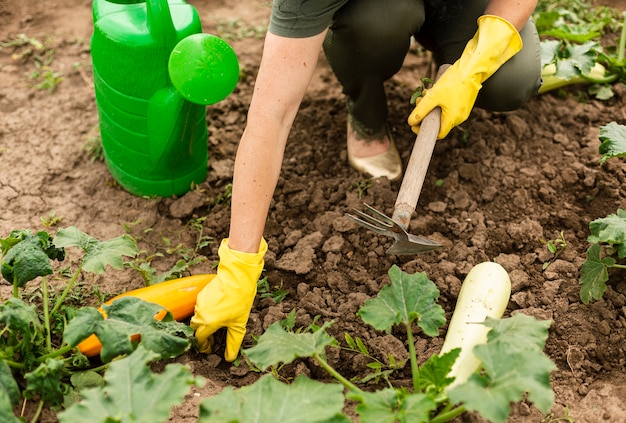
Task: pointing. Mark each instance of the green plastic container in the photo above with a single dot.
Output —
(154, 138)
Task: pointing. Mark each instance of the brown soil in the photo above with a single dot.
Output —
(518, 180)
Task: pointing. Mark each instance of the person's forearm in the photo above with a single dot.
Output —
(515, 11)
(284, 74)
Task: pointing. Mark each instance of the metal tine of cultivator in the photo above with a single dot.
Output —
(370, 222)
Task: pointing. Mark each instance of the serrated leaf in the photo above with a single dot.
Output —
(433, 374)
(549, 51)
(149, 401)
(97, 255)
(610, 230)
(8, 386)
(392, 406)
(22, 320)
(509, 376)
(268, 400)
(128, 316)
(594, 274)
(409, 297)
(47, 381)
(613, 141)
(28, 256)
(279, 346)
(518, 332)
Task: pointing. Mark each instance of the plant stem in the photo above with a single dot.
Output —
(46, 317)
(54, 353)
(622, 41)
(413, 357)
(15, 364)
(38, 412)
(67, 290)
(448, 415)
(334, 373)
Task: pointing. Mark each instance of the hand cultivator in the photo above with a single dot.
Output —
(412, 184)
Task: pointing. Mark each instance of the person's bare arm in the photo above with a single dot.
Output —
(284, 75)
(515, 11)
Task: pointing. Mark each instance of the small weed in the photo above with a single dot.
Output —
(556, 247)
(361, 187)
(265, 291)
(43, 77)
(51, 219)
(225, 196)
(93, 148)
(551, 418)
(236, 29)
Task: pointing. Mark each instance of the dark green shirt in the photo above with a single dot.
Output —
(302, 18)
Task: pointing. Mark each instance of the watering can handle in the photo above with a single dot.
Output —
(160, 24)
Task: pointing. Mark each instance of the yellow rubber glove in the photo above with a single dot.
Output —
(227, 300)
(495, 42)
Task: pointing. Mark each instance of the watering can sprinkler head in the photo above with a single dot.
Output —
(203, 68)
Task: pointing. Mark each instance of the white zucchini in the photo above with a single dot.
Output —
(485, 293)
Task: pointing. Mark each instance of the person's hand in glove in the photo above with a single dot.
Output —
(495, 42)
(227, 300)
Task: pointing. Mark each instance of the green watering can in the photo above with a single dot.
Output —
(154, 73)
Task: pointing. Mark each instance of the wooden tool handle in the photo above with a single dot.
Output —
(415, 173)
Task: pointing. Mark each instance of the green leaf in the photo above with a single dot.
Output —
(407, 298)
(278, 346)
(97, 255)
(28, 256)
(509, 375)
(268, 400)
(594, 274)
(133, 393)
(47, 381)
(128, 316)
(392, 405)
(519, 332)
(22, 322)
(613, 141)
(6, 409)
(432, 377)
(8, 386)
(512, 367)
(610, 230)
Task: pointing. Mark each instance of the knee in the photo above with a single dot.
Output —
(518, 79)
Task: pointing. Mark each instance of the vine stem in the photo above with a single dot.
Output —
(334, 373)
(66, 291)
(413, 357)
(38, 412)
(622, 41)
(46, 316)
(448, 415)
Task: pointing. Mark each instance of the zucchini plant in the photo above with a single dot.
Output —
(488, 361)
(607, 238)
(571, 49)
(39, 358)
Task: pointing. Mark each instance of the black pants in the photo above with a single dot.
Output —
(369, 39)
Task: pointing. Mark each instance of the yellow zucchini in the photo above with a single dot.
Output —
(177, 296)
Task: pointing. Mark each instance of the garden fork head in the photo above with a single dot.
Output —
(405, 244)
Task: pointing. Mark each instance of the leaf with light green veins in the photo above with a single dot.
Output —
(613, 141)
(407, 298)
(594, 274)
(132, 393)
(128, 316)
(432, 377)
(392, 406)
(512, 370)
(268, 400)
(279, 346)
(610, 230)
(97, 255)
(519, 331)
